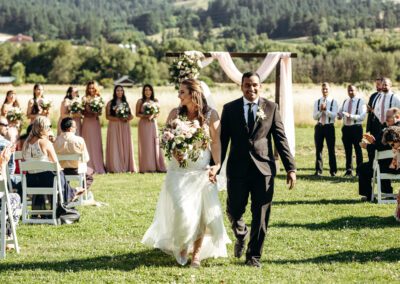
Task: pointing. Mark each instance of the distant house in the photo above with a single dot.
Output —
(6, 80)
(130, 46)
(20, 38)
(124, 81)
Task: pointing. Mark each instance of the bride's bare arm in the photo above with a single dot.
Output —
(215, 130)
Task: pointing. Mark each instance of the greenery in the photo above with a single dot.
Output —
(320, 232)
(80, 20)
(353, 42)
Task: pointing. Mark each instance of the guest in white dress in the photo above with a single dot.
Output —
(188, 216)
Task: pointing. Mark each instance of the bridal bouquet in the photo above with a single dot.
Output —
(151, 108)
(96, 104)
(45, 104)
(185, 67)
(76, 106)
(14, 114)
(184, 138)
(122, 110)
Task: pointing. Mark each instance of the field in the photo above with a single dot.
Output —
(320, 233)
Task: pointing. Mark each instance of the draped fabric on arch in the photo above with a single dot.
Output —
(268, 65)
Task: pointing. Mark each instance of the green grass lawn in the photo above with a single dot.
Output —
(319, 232)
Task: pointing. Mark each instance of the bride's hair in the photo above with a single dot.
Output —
(196, 92)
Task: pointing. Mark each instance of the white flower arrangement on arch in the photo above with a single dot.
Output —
(187, 66)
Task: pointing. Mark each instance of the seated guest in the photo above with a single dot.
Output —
(69, 143)
(375, 143)
(391, 137)
(15, 180)
(15, 200)
(20, 144)
(37, 147)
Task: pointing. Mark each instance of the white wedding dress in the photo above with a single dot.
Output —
(188, 207)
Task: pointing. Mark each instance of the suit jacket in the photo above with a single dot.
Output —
(253, 144)
(373, 124)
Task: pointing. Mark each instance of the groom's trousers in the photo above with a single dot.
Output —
(261, 190)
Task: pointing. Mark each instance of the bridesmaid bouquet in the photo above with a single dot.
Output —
(96, 104)
(186, 139)
(76, 106)
(45, 104)
(150, 108)
(14, 114)
(122, 110)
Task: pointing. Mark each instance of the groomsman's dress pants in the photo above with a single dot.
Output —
(327, 132)
(365, 173)
(261, 190)
(351, 137)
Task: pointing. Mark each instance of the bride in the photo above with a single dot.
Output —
(188, 216)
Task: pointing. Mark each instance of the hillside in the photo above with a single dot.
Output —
(124, 20)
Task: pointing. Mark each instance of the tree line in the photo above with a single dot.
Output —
(354, 56)
(123, 20)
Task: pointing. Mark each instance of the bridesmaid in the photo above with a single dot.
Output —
(91, 130)
(119, 154)
(72, 93)
(151, 158)
(34, 109)
(13, 126)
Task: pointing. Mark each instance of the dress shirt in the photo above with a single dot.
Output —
(246, 107)
(331, 110)
(391, 100)
(357, 115)
(68, 143)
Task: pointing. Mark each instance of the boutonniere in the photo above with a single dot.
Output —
(260, 114)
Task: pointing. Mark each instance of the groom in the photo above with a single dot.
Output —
(250, 123)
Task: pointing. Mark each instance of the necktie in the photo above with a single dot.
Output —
(383, 108)
(250, 117)
(349, 109)
(323, 116)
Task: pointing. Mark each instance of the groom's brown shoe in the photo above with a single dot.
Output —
(239, 248)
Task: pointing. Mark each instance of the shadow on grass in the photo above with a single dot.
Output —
(389, 255)
(325, 178)
(319, 201)
(123, 262)
(373, 222)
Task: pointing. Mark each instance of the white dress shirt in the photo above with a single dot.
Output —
(358, 111)
(330, 112)
(246, 107)
(391, 100)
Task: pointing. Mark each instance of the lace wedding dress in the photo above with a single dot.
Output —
(187, 208)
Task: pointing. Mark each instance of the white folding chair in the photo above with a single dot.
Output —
(55, 191)
(6, 214)
(17, 159)
(378, 177)
(85, 199)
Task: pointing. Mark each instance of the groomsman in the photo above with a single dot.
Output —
(353, 111)
(325, 111)
(374, 126)
(386, 100)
